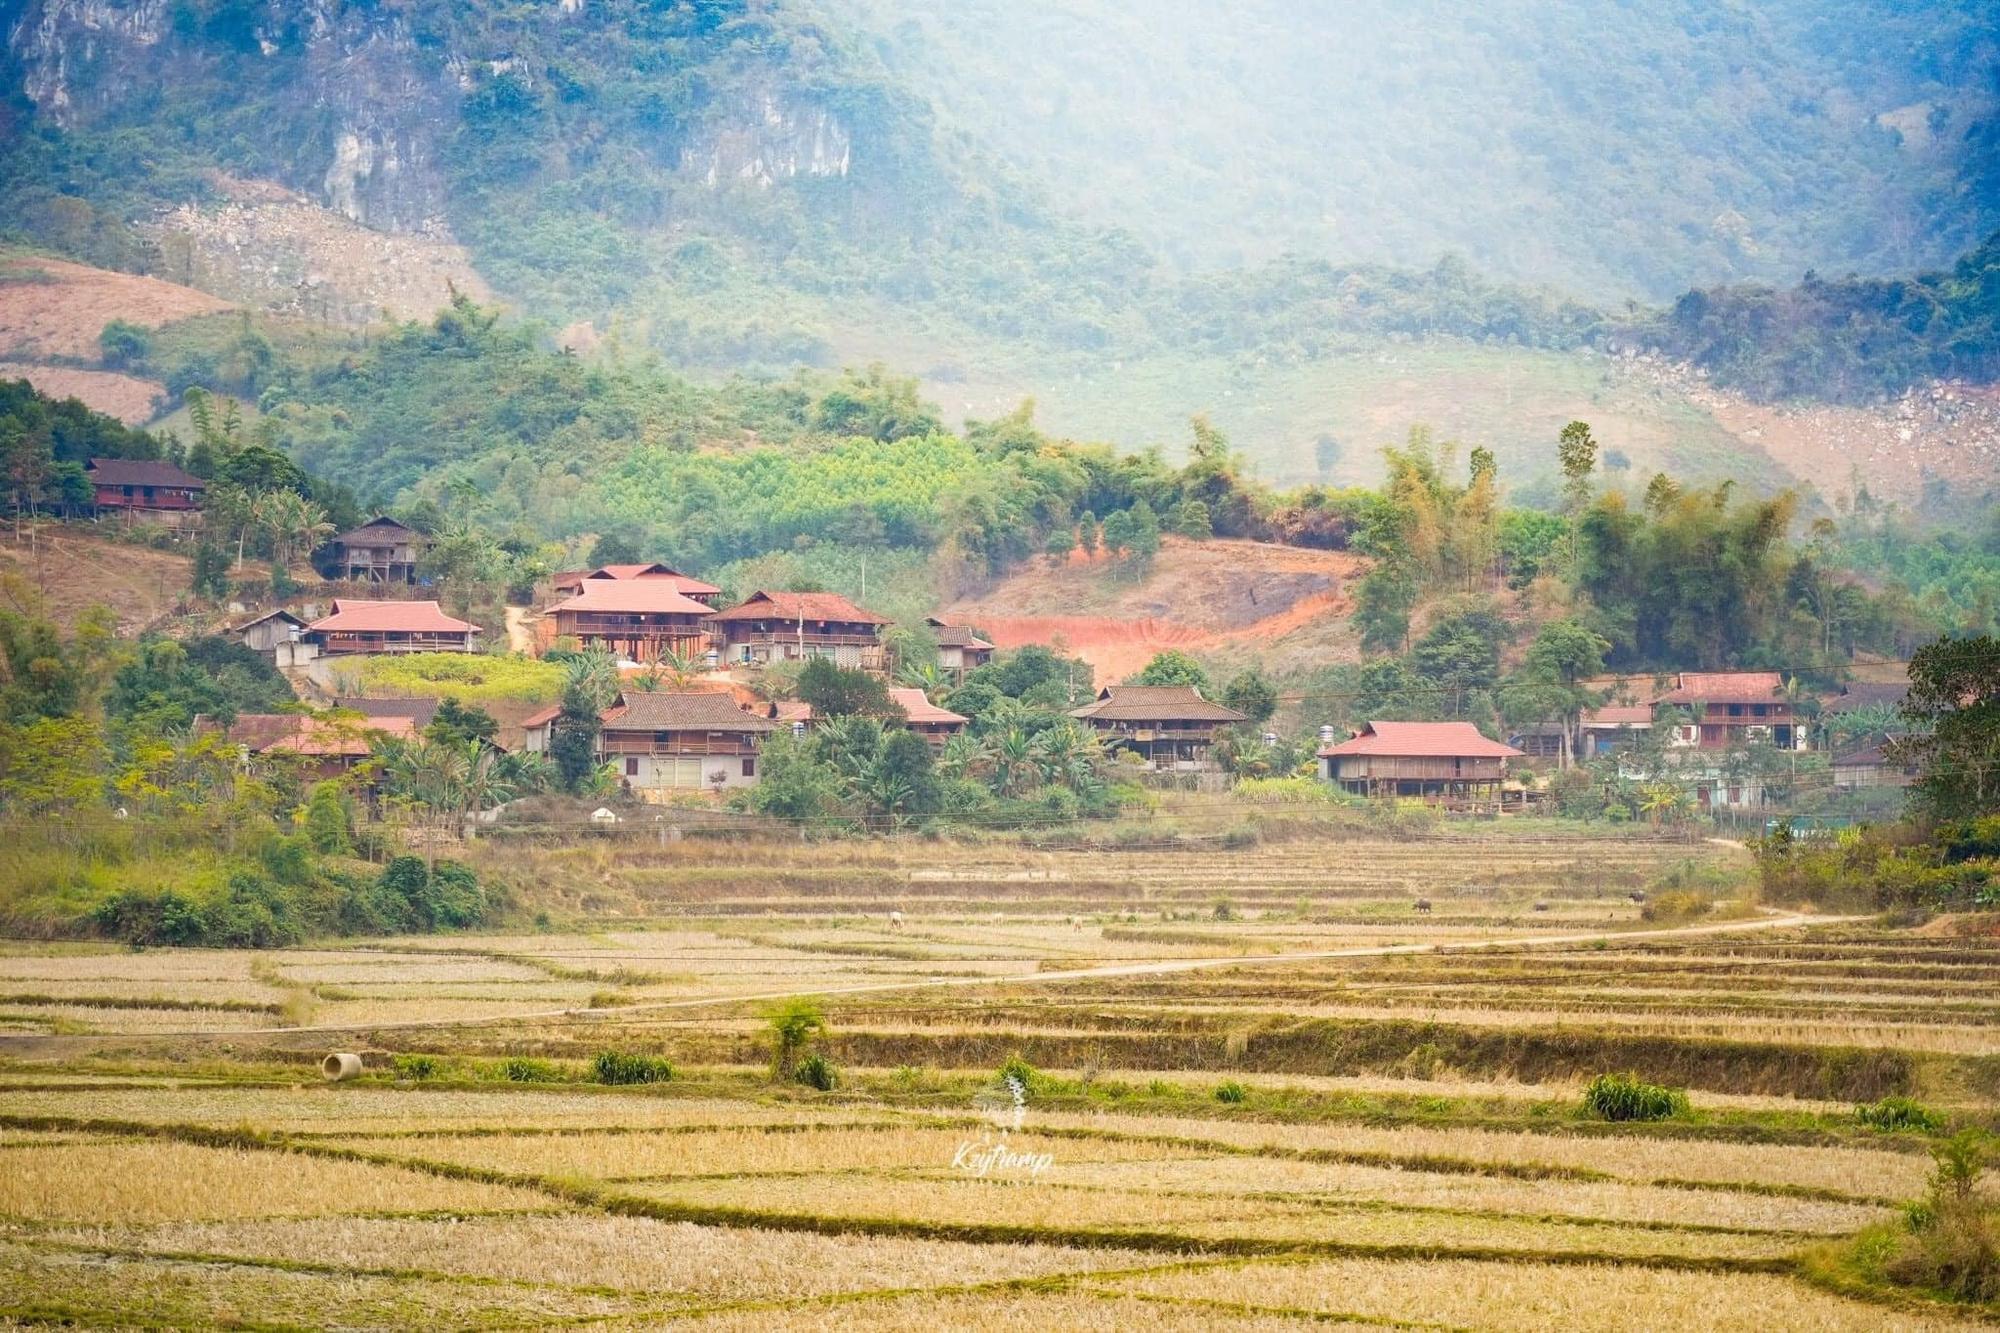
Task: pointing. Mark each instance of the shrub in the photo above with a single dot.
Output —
(415, 1066)
(1624, 1097)
(795, 1024)
(521, 1070)
(816, 1071)
(620, 1068)
(1676, 905)
(1021, 1071)
(1231, 1093)
(1892, 1113)
(1951, 1247)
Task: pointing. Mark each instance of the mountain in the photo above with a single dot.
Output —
(1129, 211)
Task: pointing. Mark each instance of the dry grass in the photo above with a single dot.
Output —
(165, 1181)
(731, 1150)
(961, 1202)
(1080, 1312)
(1532, 1296)
(1858, 1171)
(694, 1263)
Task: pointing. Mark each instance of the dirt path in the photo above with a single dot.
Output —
(1166, 967)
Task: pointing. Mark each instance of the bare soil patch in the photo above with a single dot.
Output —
(52, 309)
(1198, 597)
(74, 570)
(127, 397)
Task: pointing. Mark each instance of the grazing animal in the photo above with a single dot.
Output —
(895, 920)
(1638, 896)
(1423, 904)
(1541, 907)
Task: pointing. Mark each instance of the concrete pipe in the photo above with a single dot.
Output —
(340, 1066)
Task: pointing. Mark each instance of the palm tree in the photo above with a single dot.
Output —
(1013, 761)
(594, 675)
(962, 756)
(294, 523)
(1663, 801)
(678, 670)
(926, 676)
(1069, 754)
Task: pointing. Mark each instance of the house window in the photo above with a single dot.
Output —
(632, 766)
(749, 765)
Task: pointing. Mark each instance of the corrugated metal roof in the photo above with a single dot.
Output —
(1421, 740)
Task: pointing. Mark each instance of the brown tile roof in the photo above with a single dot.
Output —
(956, 636)
(420, 712)
(141, 472)
(1868, 694)
(789, 711)
(1726, 687)
(687, 583)
(384, 529)
(1156, 703)
(692, 710)
(808, 606)
(352, 616)
(633, 597)
(542, 718)
(297, 733)
(917, 707)
(1620, 715)
(1421, 740)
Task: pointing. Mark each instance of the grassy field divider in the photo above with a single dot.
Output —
(587, 1193)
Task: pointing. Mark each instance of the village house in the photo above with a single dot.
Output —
(571, 582)
(769, 627)
(1169, 726)
(1729, 709)
(638, 619)
(1440, 760)
(323, 748)
(1871, 767)
(390, 627)
(671, 741)
(936, 725)
(145, 488)
(1614, 727)
(379, 551)
(960, 649)
(267, 632)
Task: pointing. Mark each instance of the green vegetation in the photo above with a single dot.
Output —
(1624, 1097)
(795, 1024)
(1899, 1113)
(464, 678)
(624, 1067)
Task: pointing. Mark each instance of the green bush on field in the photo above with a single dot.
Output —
(1899, 1113)
(521, 1070)
(1952, 1245)
(415, 1067)
(621, 1068)
(1231, 1093)
(816, 1071)
(1625, 1097)
(1020, 1071)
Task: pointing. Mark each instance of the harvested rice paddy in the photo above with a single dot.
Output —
(1251, 1094)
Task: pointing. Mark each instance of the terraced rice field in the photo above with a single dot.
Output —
(1260, 1091)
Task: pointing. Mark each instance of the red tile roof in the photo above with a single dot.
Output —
(917, 707)
(141, 472)
(298, 733)
(541, 719)
(1421, 740)
(646, 596)
(687, 583)
(351, 616)
(808, 606)
(1726, 687)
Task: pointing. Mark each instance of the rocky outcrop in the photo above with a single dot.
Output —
(768, 139)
